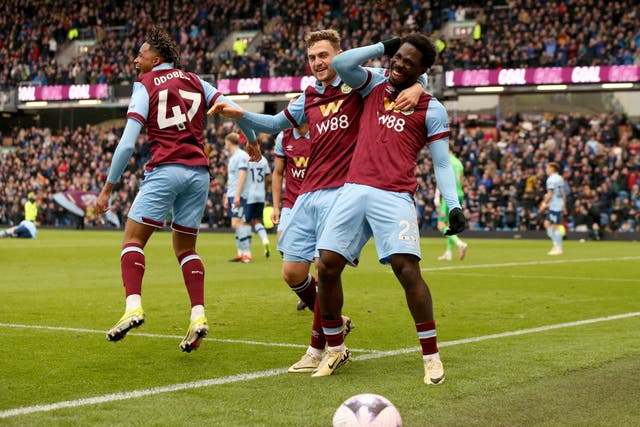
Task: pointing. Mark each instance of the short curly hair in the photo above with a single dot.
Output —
(162, 43)
(425, 46)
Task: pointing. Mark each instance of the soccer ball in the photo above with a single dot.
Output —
(367, 410)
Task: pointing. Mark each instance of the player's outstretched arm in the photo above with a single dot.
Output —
(292, 116)
(226, 110)
(226, 106)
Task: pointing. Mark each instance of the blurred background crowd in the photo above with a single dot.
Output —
(504, 163)
(511, 34)
(504, 172)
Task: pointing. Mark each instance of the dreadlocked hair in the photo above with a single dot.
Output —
(163, 44)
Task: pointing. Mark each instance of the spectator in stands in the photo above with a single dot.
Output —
(510, 216)
(587, 219)
(514, 38)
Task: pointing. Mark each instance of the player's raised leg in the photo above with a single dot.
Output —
(132, 265)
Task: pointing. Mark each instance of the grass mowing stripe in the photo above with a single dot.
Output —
(113, 397)
(503, 335)
(142, 334)
(273, 372)
(525, 276)
(518, 264)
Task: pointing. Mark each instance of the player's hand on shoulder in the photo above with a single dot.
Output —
(457, 222)
(408, 98)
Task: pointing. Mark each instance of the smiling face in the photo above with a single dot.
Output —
(319, 56)
(147, 59)
(406, 66)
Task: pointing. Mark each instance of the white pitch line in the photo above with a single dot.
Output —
(273, 372)
(143, 334)
(113, 397)
(524, 276)
(518, 264)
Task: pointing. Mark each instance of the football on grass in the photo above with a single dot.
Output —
(367, 410)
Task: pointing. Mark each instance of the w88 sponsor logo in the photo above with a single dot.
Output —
(392, 122)
(334, 123)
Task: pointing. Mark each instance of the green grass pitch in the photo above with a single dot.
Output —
(526, 339)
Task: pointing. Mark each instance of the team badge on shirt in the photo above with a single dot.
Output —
(345, 88)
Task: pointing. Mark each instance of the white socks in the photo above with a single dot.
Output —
(431, 356)
(315, 352)
(197, 311)
(133, 301)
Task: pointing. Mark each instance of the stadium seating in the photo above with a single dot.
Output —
(510, 35)
(47, 161)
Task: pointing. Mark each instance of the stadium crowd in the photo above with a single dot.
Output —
(504, 172)
(504, 166)
(513, 35)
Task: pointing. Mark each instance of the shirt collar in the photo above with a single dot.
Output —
(297, 134)
(336, 82)
(163, 66)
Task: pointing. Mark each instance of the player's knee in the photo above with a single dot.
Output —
(293, 274)
(406, 268)
(330, 265)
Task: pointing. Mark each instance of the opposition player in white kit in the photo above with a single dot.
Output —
(555, 201)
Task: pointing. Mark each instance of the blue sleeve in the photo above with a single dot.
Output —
(139, 102)
(377, 70)
(445, 177)
(437, 120)
(209, 91)
(279, 150)
(246, 128)
(424, 81)
(347, 65)
(124, 150)
(295, 111)
(265, 122)
(292, 116)
(437, 123)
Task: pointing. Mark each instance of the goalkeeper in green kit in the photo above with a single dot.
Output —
(443, 212)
